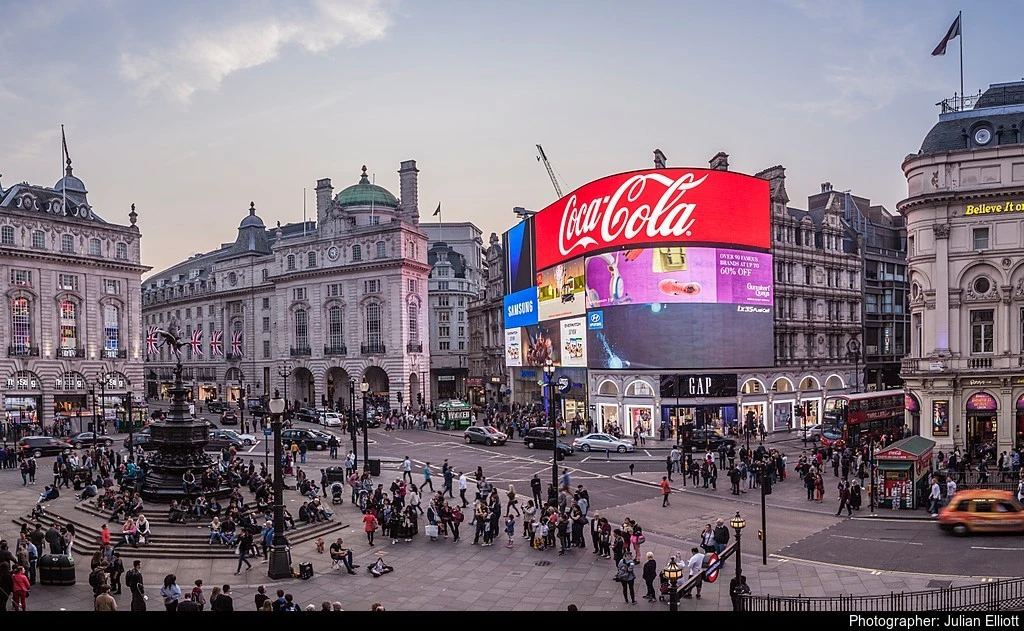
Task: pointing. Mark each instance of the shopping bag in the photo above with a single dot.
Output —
(431, 531)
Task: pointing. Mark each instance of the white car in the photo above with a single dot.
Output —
(602, 442)
(247, 439)
(330, 419)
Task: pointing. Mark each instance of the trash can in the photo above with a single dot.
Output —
(373, 466)
(336, 474)
(56, 569)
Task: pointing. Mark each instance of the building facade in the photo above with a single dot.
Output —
(487, 374)
(71, 284)
(965, 197)
(308, 309)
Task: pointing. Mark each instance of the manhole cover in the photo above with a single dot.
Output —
(542, 563)
(940, 584)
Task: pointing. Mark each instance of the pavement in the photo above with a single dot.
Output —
(442, 575)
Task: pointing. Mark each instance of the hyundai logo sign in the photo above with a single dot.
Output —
(595, 320)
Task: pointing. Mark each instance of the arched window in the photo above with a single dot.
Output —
(38, 240)
(291, 262)
(639, 389)
(21, 326)
(301, 329)
(335, 327)
(608, 388)
(95, 248)
(357, 253)
(414, 323)
(7, 235)
(67, 243)
(382, 250)
(68, 324)
(311, 259)
(373, 330)
(121, 252)
(111, 328)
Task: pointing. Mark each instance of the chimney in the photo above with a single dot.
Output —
(720, 162)
(324, 195)
(409, 191)
(826, 187)
(659, 159)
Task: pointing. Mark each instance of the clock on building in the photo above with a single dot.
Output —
(332, 253)
(982, 136)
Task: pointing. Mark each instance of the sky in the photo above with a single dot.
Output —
(192, 109)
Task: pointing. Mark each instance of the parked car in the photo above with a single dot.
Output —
(603, 442)
(247, 439)
(86, 439)
(40, 446)
(540, 438)
(314, 440)
(229, 417)
(331, 419)
(309, 415)
(216, 406)
(220, 439)
(982, 510)
(485, 434)
(141, 438)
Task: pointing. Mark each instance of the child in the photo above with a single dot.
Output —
(542, 536)
(510, 530)
(21, 588)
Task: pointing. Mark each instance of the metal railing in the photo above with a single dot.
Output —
(69, 353)
(336, 350)
(372, 349)
(22, 351)
(115, 353)
(303, 351)
(414, 347)
(995, 596)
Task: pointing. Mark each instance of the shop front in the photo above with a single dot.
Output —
(475, 391)
(701, 400)
(23, 400)
(446, 387)
(913, 407)
(982, 414)
(526, 388)
(572, 404)
(783, 415)
(1019, 424)
(70, 394)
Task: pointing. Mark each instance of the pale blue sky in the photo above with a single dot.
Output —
(193, 109)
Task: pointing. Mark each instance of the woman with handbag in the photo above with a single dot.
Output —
(707, 538)
(637, 539)
(625, 575)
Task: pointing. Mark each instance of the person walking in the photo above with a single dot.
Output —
(244, 544)
(463, 486)
(934, 498)
(133, 580)
(369, 525)
(513, 503)
(696, 567)
(20, 589)
(625, 575)
(536, 486)
(666, 490)
(844, 499)
(171, 592)
(407, 469)
(650, 572)
(426, 477)
(669, 466)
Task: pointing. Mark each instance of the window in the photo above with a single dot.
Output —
(21, 325)
(111, 328)
(414, 323)
(357, 253)
(21, 277)
(373, 329)
(444, 316)
(382, 250)
(809, 344)
(188, 313)
(443, 272)
(444, 346)
(68, 324)
(266, 325)
(301, 329)
(462, 331)
(980, 238)
(299, 293)
(266, 349)
(311, 259)
(981, 285)
(375, 220)
(410, 250)
(982, 327)
(853, 312)
(38, 240)
(113, 288)
(442, 301)
(371, 286)
(335, 289)
(209, 309)
(807, 275)
(266, 274)
(462, 346)
(462, 314)
(121, 252)
(871, 303)
(290, 262)
(67, 243)
(7, 235)
(68, 282)
(442, 285)
(95, 249)
(266, 305)
(444, 331)
(412, 285)
(335, 327)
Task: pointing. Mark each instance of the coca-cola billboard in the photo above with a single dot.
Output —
(643, 208)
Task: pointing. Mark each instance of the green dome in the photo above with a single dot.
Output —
(366, 194)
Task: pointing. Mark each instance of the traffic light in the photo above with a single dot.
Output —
(766, 485)
(399, 397)
(419, 398)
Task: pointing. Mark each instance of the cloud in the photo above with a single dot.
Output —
(203, 59)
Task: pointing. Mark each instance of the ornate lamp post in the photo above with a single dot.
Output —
(549, 373)
(101, 381)
(853, 346)
(352, 421)
(364, 387)
(280, 559)
(738, 524)
(672, 574)
(284, 371)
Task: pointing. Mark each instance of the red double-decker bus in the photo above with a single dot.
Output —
(853, 418)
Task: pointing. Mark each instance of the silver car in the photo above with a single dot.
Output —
(603, 442)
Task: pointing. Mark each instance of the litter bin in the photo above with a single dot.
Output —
(373, 466)
(336, 474)
(56, 569)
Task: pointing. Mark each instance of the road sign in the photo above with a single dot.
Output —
(711, 566)
(267, 431)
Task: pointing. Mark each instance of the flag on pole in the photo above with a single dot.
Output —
(438, 211)
(151, 341)
(217, 343)
(954, 31)
(236, 343)
(197, 343)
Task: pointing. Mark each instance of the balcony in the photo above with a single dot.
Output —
(336, 350)
(22, 351)
(372, 349)
(414, 347)
(70, 353)
(979, 363)
(302, 351)
(115, 353)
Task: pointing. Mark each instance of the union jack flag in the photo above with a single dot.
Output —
(197, 343)
(151, 341)
(217, 343)
(236, 343)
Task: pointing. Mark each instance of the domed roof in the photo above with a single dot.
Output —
(251, 221)
(366, 194)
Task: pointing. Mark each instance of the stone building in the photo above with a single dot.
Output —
(310, 309)
(487, 374)
(965, 199)
(71, 283)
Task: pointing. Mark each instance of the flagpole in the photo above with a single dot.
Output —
(959, 17)
(63, 184)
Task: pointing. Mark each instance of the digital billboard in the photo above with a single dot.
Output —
(574, 342)
(679, 274)
(520, 266)
(681, 336)
(521, 308)
(513, 347)
(542, 342)
(561, 290)
(652, 208)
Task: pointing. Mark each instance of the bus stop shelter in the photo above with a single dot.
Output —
(903, 469)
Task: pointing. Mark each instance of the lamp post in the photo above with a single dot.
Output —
(853, 346)
(549, 373)
(738, 524)
(280, 559)
(871, 473)
(364, 387)
(128, 410)
(672, 574)
(284, 371)
(352, 421)
(102, 383)
(241, 404)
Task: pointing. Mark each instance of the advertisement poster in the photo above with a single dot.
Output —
(521, 308)
(542, 342)
(940, 418)
(561, 290)
(682, 336)
(679, 274)
(513, 347)
(574, 342)
(519, 256)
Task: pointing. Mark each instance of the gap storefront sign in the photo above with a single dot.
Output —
(521, 308)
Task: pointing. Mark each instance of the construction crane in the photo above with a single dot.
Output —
(551, 172)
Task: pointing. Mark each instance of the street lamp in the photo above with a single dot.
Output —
(738, 524)
(102, 383)
(672, 574)
(352, 422)
(549, 373)
(284, 371)
(280, 559)
(853, 346)
(241, 404)
(364, 387)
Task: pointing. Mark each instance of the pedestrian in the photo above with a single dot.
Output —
(650, 573)
(171, 592)
(934, 498)
(105, 602)
(536, 486)
(463, 486)
(625, 575)
(244, 544)
(595, 532)
(407, 469)
(510, 530)
(669, 466)
(721, 534)
(666, 489)
(133, 580)
(198, 596)
(426, 477)
(696, 567)
(513, 503)
(369, 525)
(20, 589)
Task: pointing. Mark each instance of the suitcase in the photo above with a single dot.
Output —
(305, 571)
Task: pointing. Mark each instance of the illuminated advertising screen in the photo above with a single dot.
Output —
(513, 347)
(561, 290)
(521, 308)
(542, 342)
(519, 256)
(574, 342)
(654, 208)
(680, 336)
(679, 274)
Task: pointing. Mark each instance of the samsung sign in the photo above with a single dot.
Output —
(521, 308)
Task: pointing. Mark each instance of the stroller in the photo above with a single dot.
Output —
(337, 491)
(664, 588)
